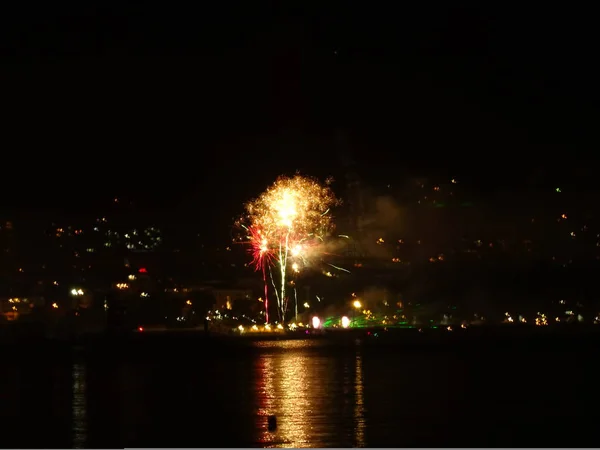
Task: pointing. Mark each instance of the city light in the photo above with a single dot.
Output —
(345, 322)
(357, 304)
(316, 322)
(76, 292)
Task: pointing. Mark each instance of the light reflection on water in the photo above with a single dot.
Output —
(359, 405)
(308, 393)
(79, 406)
(323, 395)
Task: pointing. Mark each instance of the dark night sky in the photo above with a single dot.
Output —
(190, 105)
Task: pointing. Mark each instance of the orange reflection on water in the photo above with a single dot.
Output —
(359, 405)
(266, 394)
(286, 390)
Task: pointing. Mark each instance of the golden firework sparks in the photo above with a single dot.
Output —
(287, 218)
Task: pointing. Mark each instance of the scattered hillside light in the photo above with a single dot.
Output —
(357, 304)
(76, 292)
(345, 322)
(316, 322)
(144, 294)
(241, 328)
(188, 302)
(131, 277)
(55, 305)
(306, 305)
(541, 319)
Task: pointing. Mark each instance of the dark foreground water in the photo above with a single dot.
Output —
(323, 395)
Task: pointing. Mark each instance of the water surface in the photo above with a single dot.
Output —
(323, 395)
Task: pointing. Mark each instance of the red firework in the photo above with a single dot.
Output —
(259, 249)
(261, 257)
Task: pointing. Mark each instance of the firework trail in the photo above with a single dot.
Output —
(286, 225)
(261, 258)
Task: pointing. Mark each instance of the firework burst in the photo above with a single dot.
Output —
(262, 255)
(286, 225)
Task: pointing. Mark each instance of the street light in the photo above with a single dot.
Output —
(316, 322)
(357, 306)
(345, 322)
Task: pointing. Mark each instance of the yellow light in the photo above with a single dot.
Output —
(345, 322)
(316, 322)
(357, 304)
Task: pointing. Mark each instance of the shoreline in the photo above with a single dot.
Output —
(515, 336)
